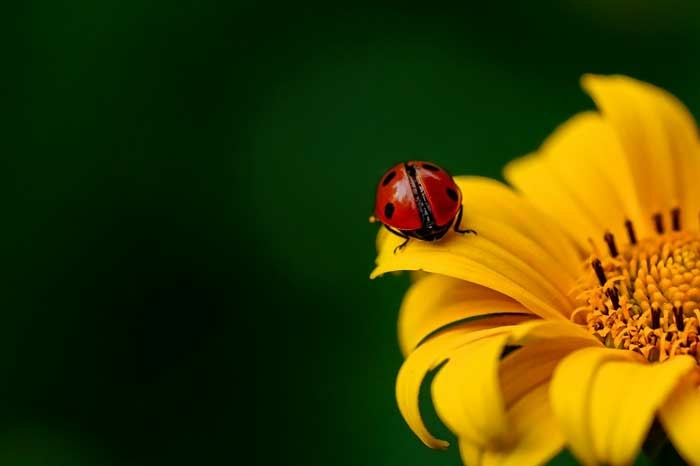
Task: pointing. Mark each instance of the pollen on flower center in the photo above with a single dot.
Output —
(645, 297)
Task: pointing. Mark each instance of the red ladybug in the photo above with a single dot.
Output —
(419, 200)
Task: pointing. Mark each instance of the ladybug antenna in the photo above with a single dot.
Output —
(372, 219)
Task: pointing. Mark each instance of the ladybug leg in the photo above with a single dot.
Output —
(402, 245)
(399, 234)
(458, 220)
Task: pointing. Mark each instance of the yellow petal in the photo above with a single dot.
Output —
(467, 395)
(627, 414)
(660, 142)
(532, 432)
(579, 176)
(679, 416)
(471, 453)
(598, 398)
(436, 301)
(425, 358)
(478, 260)
(529, 332)
(472, 390)
(533, 364)
(532, 422)
(570, 397)
(534, 177)
(487, 199)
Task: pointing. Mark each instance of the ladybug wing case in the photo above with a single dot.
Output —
(395, 204)
(442, 193)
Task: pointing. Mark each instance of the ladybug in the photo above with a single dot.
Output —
(418, 200)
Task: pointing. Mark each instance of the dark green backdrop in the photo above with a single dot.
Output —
(184, 236)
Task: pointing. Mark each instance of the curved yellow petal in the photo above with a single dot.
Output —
(535, 427)
(679, 416)
(681, 132)
(534, 177)
(427, 357)
(660, 141)
(627, 414)
(533, 364)
(579, 176)
(467, 395)
(533, 435)
(471, 453)
(485, 198)
(529, 332)
(597, 398)
(435, 301)
(473, 389)
(570, 394)
(478, 260)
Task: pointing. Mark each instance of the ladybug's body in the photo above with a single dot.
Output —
(419, 200)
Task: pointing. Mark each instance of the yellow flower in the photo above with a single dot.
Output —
(572, 319)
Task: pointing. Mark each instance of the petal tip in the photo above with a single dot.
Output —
(589, 81)
(586, 78)
(439, 444)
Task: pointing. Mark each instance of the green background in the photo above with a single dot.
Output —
(187, 184)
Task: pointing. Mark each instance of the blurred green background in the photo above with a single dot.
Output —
(187, 184)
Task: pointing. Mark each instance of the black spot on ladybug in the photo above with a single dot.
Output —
(387, 179)
(432, 168)
(389, 210)
(452, 194)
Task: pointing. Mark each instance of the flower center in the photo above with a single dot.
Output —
(645, 297)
